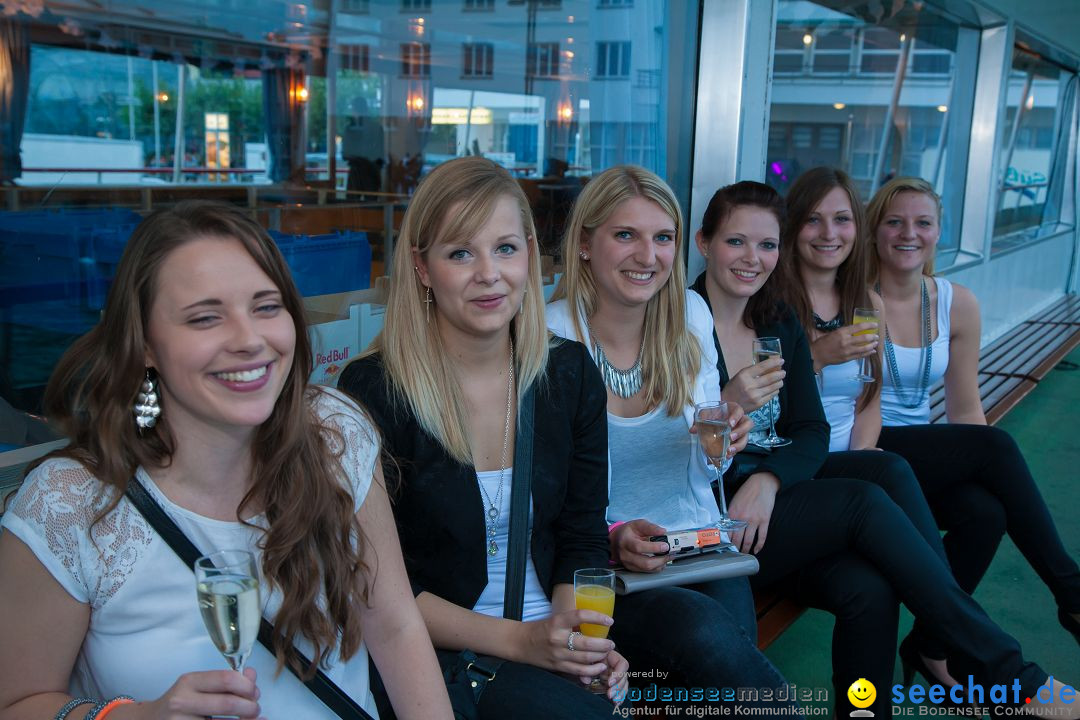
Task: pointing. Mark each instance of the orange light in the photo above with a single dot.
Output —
(163, 97)
(569, 54)
(416, 102)
(839, 106)
(566, 112)
(302, 94)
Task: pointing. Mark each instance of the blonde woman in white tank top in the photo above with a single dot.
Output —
(975, 478)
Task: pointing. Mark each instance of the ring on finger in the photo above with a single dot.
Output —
(570, 640)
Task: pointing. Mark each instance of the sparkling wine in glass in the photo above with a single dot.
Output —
(714, 436)
(594, 589)
(766, 348)
(865, 315)
(227, 584)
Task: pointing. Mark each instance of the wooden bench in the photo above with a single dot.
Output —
(1009, 369)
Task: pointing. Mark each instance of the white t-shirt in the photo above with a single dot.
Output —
(145, 628)
(839, 393)
(536, 604)
(651, 460)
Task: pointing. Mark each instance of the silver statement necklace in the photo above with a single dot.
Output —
(494, 505)
(624, 383)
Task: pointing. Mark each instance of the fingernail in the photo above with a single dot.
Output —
(667, 548)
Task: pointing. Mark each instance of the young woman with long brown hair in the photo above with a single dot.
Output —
(194, 384)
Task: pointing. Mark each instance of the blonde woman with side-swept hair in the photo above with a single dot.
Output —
(974, 476)
(624, 296)
(464, 341)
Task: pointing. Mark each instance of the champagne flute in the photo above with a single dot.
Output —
(766, 348)
(714, 436)
(594, 589)
(865, 315)
(227, 583)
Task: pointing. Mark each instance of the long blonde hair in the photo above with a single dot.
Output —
(875, 213)
(671, 357)
(450, 205)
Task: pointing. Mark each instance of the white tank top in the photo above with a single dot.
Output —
(839, 391)
(909, 366)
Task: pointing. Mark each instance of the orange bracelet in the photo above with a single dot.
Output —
(107, 707)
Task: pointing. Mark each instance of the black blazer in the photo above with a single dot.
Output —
(802, 418)
(437, 502)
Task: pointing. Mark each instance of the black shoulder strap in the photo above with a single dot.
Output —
(514, 597)
(323, 687)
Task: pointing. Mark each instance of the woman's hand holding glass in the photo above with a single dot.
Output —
(213, 693)
(844, 344)
(545, 644)
(753, 503)
(631, 547)
(756, 384)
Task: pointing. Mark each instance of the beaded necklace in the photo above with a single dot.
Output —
(926, 352)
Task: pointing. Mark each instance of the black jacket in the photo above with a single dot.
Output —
(802, 418)
(437, 502)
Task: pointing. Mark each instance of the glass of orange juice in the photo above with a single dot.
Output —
(594, 589)
(865, 315)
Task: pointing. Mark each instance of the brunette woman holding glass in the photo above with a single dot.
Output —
(194, 385)
(974, 476)
(821, 533)
(464, 340)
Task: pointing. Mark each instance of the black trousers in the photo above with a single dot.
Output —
(978, 487)
(845, 546)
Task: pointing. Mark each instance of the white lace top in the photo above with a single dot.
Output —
(145, 628)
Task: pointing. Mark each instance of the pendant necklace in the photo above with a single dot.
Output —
(494, 504)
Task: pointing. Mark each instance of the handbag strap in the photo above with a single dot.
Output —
(514, 597)
(323, 687)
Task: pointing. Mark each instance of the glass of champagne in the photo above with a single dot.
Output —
(766, 348)
(594, 589)
(865, 315)
(714, 436)
(227, 583)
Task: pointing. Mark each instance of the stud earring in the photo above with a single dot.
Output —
(583, 255)
(147, 409)
(427, 304)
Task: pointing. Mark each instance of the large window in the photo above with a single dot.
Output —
(1037, 153)
(879, 94)
(322, 127)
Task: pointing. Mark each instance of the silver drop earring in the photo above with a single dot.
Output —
(427, 305)
(147, 409)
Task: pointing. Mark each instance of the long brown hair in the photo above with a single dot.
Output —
(764, 307)
(671, 357)
(852, 276)
(451, 204)
(313, 543)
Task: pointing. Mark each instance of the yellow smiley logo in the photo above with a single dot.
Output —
(862, 693)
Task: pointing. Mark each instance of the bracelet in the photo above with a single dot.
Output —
(107, 706)
(72, 704)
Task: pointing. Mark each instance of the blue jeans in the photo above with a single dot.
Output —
(702, 635)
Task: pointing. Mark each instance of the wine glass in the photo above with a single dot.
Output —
(865, 315)
(764, 349)
(714, 436)
(594, 589)
(227, 583)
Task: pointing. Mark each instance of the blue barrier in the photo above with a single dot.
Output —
(324, 264)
